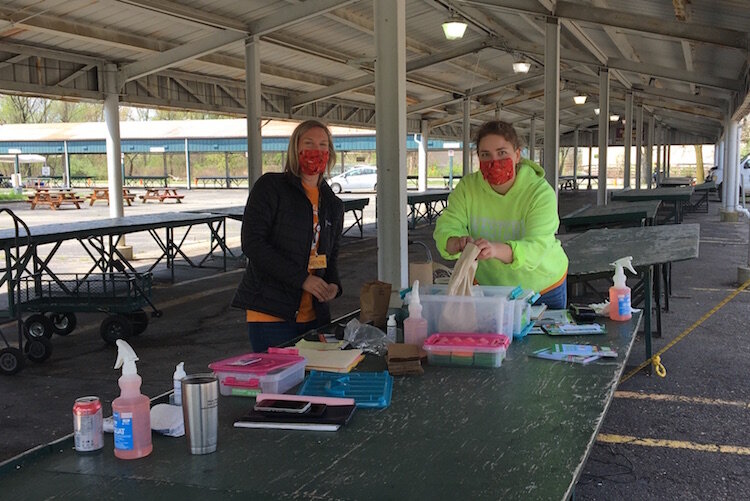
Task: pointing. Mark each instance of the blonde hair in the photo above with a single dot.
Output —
(292, 156)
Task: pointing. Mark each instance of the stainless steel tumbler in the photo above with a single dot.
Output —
(200, 409)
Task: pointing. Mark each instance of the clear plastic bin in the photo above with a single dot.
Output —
(253, 373)
(478, 314)
(466, 350)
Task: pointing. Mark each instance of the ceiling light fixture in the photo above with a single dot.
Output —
(580, 99)
(596, 111)
(454, 27)
(614, 117)
(521, 67)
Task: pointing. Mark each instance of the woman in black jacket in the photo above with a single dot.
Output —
(290, 234)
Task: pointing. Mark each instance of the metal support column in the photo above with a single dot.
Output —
(467, 137)
(628, 138)
(601, 192)
(650, 153)
(112, 119)
(552, 101)
(575, 156)
(66, 165)
(422, 156)
(253, 105)
(658, 154)
(532, 139)
(390, 123)
(188, 174)
(639, 148)
(732, 171)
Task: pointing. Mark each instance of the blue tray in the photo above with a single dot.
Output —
(368, 389)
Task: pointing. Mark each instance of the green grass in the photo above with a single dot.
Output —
(10, 196)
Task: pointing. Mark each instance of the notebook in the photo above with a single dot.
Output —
(331, 360)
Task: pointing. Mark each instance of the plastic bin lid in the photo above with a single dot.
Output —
(368, 389)
(471, 341)
(257, 363)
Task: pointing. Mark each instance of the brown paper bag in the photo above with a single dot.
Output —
(460, 316)
(421, 272)
(373, 301)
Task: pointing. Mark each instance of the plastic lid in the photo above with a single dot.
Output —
(467, 341)
(256, 363)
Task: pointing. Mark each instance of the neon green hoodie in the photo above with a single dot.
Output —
(525, 218)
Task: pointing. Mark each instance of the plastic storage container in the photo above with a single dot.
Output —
(466, 350)
(493, 313)
(253, 373)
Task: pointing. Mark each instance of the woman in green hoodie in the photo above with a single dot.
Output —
(510, 212)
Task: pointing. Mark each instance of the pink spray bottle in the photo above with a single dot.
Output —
(131, 410)
(619, 293)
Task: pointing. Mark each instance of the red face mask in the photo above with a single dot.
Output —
(313, 161)
(497, 171)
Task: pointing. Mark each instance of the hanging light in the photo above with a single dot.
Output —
(596, 111)
(614, 117)
(580, 99)
(454, 27)
(521, 67)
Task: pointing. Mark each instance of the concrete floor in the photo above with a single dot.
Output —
(702, 402)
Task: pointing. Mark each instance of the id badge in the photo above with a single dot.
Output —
(317, 262)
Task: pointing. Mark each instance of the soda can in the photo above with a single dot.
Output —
(87, 424)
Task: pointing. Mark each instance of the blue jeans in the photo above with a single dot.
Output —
(267, 334)
(557, 298)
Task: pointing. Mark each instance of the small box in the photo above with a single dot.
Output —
(253, 373)
(466, 349)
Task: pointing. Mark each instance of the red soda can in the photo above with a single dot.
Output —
(87, 424)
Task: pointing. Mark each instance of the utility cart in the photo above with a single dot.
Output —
(55, 300)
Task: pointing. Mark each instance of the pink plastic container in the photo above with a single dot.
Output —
(252, 373)
(466, 349)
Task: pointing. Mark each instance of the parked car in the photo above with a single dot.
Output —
(361, 177)
(716, 174)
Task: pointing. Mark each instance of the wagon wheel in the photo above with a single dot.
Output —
(115, 327)
(37, 326)
(139, 320)
(11, 360)
(38, 349)
(63, 323)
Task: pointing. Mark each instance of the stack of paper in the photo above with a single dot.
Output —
(575, 353)
(331, 360)
(318, 345)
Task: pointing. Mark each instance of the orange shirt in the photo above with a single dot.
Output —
(306, 311)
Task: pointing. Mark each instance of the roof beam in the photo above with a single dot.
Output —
(366, 80)
(717, 35)
(215, 41)
(674, 74)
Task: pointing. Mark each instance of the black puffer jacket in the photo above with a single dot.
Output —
(276, 238)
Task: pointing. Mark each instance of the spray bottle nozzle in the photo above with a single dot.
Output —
(126, 358)
(619, 276)
(415, 307)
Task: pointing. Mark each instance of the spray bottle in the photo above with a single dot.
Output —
(179, 373)
(415, 327)
(619, 293)
(131, 410)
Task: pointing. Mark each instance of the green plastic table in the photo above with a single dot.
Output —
(675, 196)
(637, 213)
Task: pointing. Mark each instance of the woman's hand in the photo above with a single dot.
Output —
(494, 250)
(319, 288)
(454, 245)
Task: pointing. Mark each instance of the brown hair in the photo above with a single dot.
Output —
(292, 157)
(498, 128)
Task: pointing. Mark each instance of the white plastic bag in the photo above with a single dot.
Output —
(461, 316)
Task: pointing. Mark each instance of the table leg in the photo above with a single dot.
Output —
(647, 311)
(657, 297)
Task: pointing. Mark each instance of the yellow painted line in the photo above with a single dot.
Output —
(712, 289)
(656, 358)
(660, 397)
(672, 444)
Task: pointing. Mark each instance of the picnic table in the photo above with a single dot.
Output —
(672, 182)
(521, 431)
(161, 195)
(675, 196)
(146, 181)
(54, 198)
(570, 183)
(103, 194)
(590, 255)
(699, 200)
(426, 205)
(615, 213)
